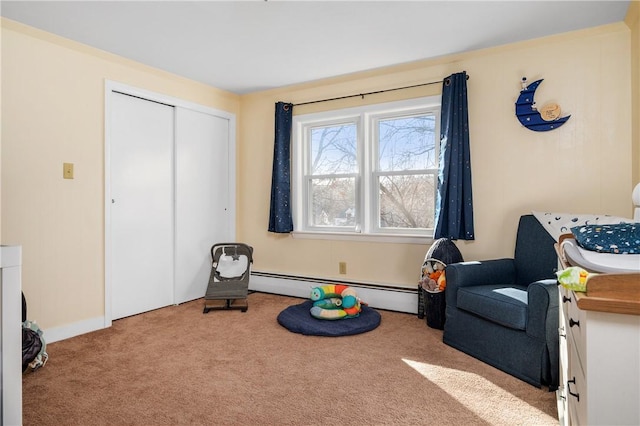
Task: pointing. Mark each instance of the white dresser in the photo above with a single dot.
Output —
(600, 352)
(11, 340)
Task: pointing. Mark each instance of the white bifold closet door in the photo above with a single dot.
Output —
(142, 209)
(202, 198)
(169, 172)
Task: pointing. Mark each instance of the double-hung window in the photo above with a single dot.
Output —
(369, 170)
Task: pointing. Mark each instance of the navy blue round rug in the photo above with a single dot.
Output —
(298, 319)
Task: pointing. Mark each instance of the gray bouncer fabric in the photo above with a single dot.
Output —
(229, 280)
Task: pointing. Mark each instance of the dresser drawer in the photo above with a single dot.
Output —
(575, 324)
(575, 388)
(566, 298)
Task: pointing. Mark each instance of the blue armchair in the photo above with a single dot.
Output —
(505, 312)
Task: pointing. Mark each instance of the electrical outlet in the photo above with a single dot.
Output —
(67, 170)
(342, 267)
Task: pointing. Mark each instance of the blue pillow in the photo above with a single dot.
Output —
(621, 238)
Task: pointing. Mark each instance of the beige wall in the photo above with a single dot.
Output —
(582, 167)
(53, 112)
(633, 21)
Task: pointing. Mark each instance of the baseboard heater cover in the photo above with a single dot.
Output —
(375, 295)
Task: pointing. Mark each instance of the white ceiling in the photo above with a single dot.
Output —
(252, 45)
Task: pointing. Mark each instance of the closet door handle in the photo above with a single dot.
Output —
(572, 322)
(566, 299)
(576, 395)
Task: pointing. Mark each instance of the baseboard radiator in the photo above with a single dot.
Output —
(375, 295)
(379, 296)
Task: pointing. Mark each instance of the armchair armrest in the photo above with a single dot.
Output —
(465, 274)
(542, 324)
(542, 315)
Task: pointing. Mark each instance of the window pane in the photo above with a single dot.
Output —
(407, 143)
(333, 149)
(333, 202)
(407, 201)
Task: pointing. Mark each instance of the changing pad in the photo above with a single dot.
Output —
(599, 262)
(619, 238)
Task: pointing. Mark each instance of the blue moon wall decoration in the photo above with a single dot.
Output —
(548, 118)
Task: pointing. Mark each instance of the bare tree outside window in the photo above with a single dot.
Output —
(334, 149)
(334, 168)
(406, 173)
(407, 167)
(370, 170)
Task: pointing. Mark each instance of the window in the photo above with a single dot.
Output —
(367, 171)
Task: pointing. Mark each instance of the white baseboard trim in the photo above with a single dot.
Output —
(56, 334)
(389, 298)
(376, 296)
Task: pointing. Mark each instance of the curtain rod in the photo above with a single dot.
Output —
(362, 95)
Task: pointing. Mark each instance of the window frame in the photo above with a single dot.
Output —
(367, 200)
(307, 176)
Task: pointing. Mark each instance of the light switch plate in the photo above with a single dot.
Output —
(67, 170)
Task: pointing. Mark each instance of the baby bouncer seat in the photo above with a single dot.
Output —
(229, 280)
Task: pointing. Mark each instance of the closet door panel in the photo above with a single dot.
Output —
(202, 198)
(142, 245)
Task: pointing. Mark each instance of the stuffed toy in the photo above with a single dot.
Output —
(433, 278)
(332, 302)
(442, 252)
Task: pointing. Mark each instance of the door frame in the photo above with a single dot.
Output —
(111, 86)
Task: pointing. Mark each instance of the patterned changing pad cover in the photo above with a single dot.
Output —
(620, 238)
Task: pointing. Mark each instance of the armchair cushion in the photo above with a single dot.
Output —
(505, 305)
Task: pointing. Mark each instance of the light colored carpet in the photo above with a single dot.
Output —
(178, 366)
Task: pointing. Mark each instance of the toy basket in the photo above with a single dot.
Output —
(435, 307)
(431, 301)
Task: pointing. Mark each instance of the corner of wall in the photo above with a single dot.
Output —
(633, 14)
(632, 20)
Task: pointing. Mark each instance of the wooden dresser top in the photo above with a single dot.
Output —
(614, 293)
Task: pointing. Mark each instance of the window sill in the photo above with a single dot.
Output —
(359, 237)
